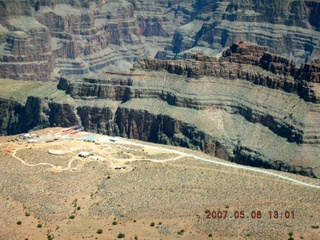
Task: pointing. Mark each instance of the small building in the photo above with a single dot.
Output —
(84, 154)
(92, 139)
(27, 135)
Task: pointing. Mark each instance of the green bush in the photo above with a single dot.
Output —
(114, 223)
(210, 235)
(72, 217)
(19, 222)
(99, 231)
(39, 225)
(121, 235)
(152, 224)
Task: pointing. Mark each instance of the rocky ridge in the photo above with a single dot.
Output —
(201, 103)
(249, 62)
(288, 27)
(41, 40)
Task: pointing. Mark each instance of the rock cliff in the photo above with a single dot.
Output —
(249, 107)
(250, 62)
(286, 27)
(41, 40)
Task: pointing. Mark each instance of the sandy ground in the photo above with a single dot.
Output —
(156, 193)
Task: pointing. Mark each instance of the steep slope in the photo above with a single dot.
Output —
(40, 40)
(288, 27)
(79, 37)
(250, 107)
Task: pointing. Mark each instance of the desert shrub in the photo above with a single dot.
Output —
(152, 224)
(39, 225)
(121, 235)
(99, 231)
(19, 222)
(72, 217)
(50, 237)
(114, 223)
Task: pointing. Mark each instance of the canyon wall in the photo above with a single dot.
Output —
(42, 40)
(249, 106)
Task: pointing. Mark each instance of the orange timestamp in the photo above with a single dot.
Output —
(254, 214)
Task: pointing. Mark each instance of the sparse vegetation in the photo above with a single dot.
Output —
(121, 235)
(50, 237)
(290, 234)
(120, 203)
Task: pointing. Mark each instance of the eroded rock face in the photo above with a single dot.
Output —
(78, 37)
(284, 26)
(46, 39)
(250, 62)
(249, 106)
(26, 53)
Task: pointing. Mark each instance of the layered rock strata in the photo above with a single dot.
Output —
(230, 118)
(288, 27)
(40, 40)
(249, 62)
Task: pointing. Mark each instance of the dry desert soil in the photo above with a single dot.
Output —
(157, 192)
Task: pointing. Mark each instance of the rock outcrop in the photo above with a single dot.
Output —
(286, 27)
(41, 40)
(250, 62)
(248, 107)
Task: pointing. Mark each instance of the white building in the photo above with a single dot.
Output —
(84, 154)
